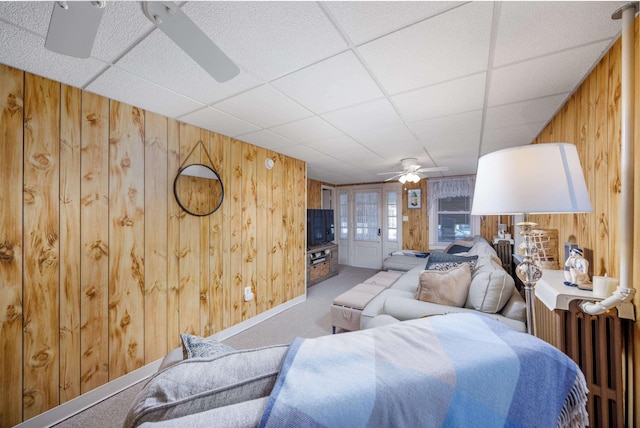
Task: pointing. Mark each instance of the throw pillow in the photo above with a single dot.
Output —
(200, 347)
(453, 249)
(466, 243)
(200, 384)
(444, 261)
(445, 287)
(490, 290)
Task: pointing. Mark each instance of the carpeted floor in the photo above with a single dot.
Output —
(310, 318)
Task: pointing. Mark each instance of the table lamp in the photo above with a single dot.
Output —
(532, 179)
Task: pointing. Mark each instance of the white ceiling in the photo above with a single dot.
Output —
(349, 87)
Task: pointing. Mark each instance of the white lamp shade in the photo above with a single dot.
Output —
(537, 178)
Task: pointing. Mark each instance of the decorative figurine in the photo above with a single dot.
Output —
(578, 268)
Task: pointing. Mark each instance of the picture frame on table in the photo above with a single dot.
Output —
(414, 198)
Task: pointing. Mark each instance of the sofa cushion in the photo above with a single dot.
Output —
(201, 347)
(490, 290)
(196, 385)
(445, 287)
(444, 261)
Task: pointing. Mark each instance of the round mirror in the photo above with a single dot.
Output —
(198, 189)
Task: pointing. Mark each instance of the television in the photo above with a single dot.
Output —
(320, 228)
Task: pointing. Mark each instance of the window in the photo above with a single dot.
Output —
(454, 218)
(366, 216)
(450, 218)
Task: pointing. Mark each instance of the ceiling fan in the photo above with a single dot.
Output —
(74, 26)
(411, 171)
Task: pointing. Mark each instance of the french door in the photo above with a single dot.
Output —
(366, 248)
(369, 224)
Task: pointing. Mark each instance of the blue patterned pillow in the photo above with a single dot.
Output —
(443, 261)
(200, 347)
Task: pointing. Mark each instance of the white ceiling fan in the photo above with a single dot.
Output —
(411, 171)
(74, 26)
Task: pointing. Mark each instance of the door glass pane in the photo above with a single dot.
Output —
(344, 216)
(366, 216)
(392, 216)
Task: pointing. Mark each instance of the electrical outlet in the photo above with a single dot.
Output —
(247, 290)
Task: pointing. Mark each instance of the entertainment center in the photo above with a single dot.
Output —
(322, 262)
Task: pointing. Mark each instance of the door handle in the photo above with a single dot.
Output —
(379, 232)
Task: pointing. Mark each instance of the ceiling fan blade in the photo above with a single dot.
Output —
(73, 27)
(434, 169)
(392, 178)
(387, 173)
(190, 38)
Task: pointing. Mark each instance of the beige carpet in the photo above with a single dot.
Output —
(308, 319)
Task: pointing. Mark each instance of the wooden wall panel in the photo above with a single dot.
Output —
(249, 214)
(11, 232)
(235, 200)
(415, 232)
(614, 150)
(41, 244)
(112, 270)
(70, 126)
(263, 183)
(175, 213)
(156, 217)
(94, 236)
(277, 244)
(190, 249)
(126, 239)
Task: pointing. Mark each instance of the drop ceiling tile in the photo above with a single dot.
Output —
(158, 59)
(364, 117)
(397, 138)
(530, 29)
(502, 138)
(549, 75)
(263, 106)
(122, 25)
(307, 130)
(433, 130)
(531, 111)
(267, 140)
(459, 164)
(301, 152)
(268, 39)
(30, 15)
(447, 46)
(217, 121)
(122, 86)
(41, 61)
(462, 144)
(448, 98)
(366, 20)
(338, 82)
(336, 146)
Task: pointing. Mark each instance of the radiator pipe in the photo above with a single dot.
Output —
(625, 291)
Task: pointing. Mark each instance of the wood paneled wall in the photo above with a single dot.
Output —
(591, 119)
(100, 270)
(415, 232)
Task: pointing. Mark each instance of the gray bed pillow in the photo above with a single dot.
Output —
(197, 385)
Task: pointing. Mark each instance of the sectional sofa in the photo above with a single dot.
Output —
(491, 290)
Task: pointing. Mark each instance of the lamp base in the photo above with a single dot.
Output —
(528, 272)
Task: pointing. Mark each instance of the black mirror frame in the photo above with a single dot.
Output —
(175, 190)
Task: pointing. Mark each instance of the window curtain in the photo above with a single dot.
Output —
(452, 187)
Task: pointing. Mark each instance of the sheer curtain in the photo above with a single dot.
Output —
(449, 187)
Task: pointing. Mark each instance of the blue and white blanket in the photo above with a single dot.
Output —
(458, 370)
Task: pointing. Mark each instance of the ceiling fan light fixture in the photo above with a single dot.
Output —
(403, 179)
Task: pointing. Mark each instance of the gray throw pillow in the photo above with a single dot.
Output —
(200, 347)
(444, 261)
(200, 384)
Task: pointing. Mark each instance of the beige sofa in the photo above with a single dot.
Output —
(492, 291)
